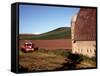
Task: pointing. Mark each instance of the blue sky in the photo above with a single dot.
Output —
(35, 19)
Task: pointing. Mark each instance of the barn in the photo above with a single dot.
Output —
(83, 28)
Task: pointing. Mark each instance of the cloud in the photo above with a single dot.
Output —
(36, 33)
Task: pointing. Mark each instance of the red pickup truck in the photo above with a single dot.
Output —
(28, 47)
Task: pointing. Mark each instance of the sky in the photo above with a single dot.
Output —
(35, 19)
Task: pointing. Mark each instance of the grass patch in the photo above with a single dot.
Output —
(87, 62)
(42, 60)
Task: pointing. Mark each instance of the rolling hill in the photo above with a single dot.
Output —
(59, 33)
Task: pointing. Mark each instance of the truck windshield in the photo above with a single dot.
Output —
(28, 45)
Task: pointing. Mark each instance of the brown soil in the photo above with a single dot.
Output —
(50, 44)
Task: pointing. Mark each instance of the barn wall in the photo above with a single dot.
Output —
(87, 48)
(83, 29)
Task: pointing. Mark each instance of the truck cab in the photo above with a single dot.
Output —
(28, 47)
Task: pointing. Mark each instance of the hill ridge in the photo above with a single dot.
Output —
(58, 33)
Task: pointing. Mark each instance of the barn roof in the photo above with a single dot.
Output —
(85, 26)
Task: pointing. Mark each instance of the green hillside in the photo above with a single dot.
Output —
(59, 33)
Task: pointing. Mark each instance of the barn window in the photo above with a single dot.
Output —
(74, 41)
(81, 50)
(87, 50)
(90, 51)
(94, 49)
